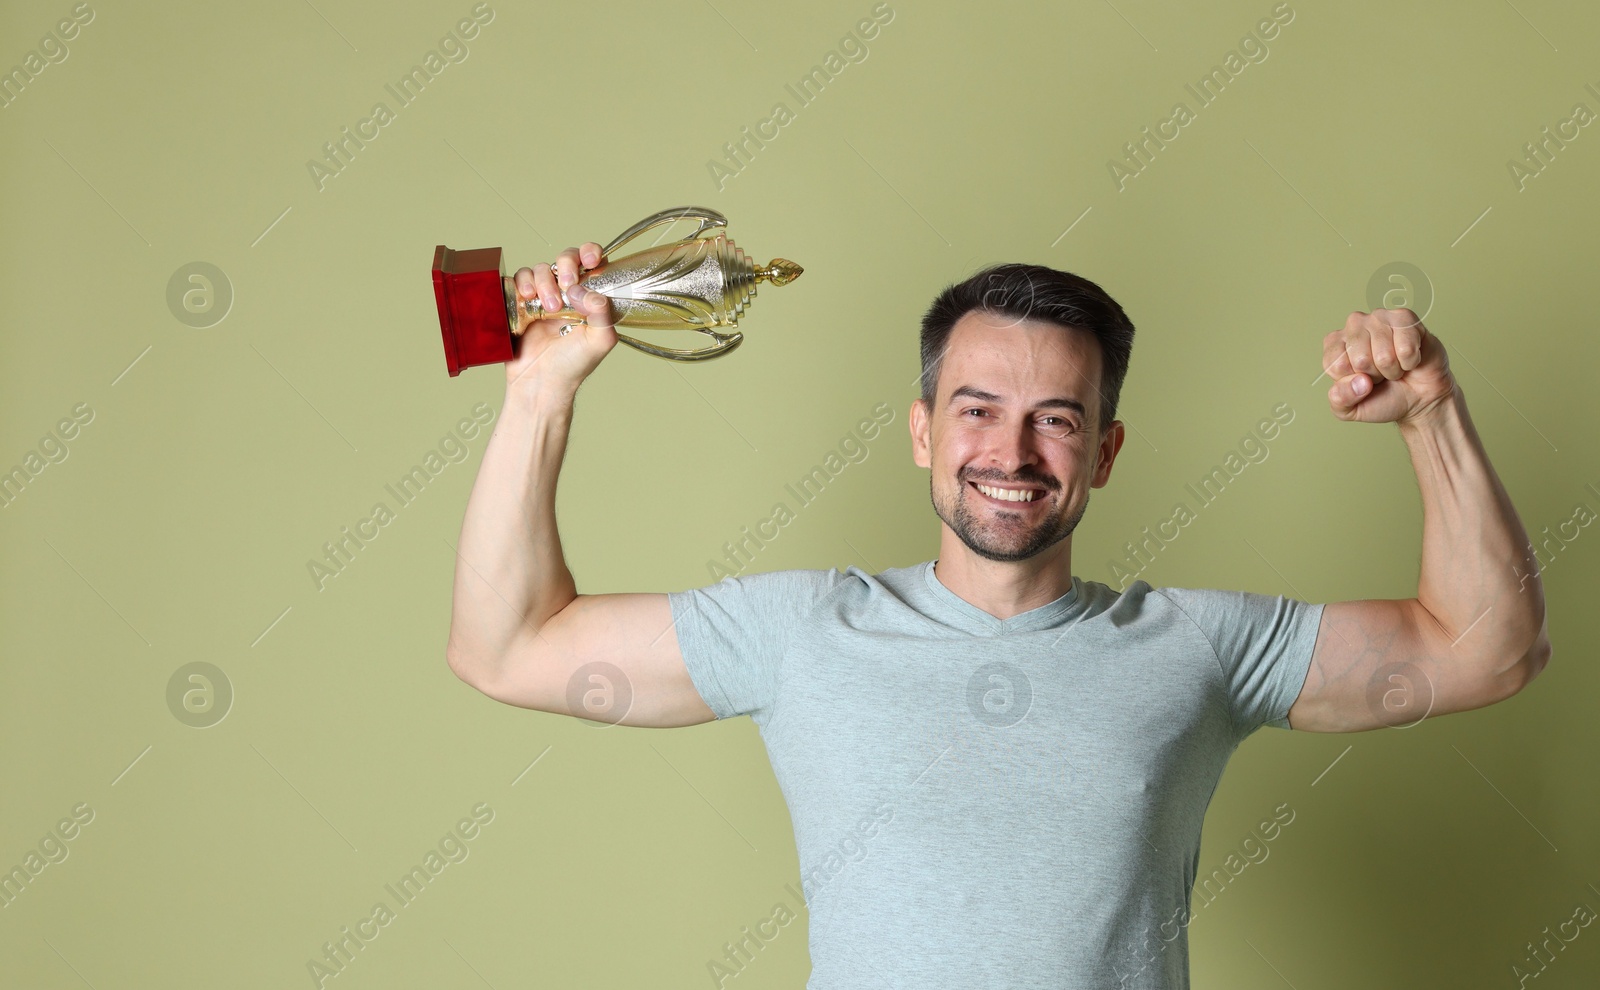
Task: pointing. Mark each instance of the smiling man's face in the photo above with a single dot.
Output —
(1016, 412)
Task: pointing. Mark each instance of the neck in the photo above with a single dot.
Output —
(1003, 588)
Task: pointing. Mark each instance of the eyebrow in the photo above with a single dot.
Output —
(1060, 402)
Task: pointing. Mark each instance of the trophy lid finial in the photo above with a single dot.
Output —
(779, 271)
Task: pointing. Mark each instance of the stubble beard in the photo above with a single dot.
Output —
(965, 524)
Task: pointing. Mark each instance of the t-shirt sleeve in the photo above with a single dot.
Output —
(733, 634)
(1263, 644)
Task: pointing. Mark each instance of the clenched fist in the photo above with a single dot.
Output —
(1387, 368)
(545, 356)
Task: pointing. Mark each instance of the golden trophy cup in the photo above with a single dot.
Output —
(694, 283)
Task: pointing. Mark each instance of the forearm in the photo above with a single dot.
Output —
(1471, 538)
(510, 576)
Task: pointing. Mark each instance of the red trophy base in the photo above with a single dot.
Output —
(474, 314)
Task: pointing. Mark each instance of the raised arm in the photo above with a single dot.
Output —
(519, 631)
(1475, 634)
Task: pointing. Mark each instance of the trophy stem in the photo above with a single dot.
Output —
(522, 313)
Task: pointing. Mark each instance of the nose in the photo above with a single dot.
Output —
(1014, 446)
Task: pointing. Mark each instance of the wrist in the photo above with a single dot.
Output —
(540, 399)
(1449, 408)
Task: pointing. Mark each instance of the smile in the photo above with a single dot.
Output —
(1007, 494)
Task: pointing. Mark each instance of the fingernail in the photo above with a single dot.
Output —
(1359, 386)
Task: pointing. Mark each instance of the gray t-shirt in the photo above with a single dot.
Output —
(981, 802)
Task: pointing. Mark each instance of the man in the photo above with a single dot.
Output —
(997, 771)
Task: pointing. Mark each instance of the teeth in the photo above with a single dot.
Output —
(1006, 494)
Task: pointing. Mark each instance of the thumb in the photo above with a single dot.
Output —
(1348, 392)
(595, 306)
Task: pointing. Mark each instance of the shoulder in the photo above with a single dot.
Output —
(1206, 605)
(1185, 612)
(1136, 602)
(794, 586)
(1244, 624)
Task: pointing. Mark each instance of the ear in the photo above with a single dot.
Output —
(921, 443)
(1110, 444)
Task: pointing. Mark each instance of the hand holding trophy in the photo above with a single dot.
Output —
(560, 352)
(693, 283)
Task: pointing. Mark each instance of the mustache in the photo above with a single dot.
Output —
(1048, 484)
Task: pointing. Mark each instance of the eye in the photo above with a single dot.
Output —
(981, 412)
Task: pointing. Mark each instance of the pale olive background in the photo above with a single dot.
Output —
(219, 460)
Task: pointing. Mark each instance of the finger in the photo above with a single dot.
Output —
(1348, 392)
(567, 267)
(1408, 346)
(1399, 318)
(590, 254)
(545, 282)
(525, 286)
(1381, 342)
(1335, 359)
(594, 305)
(1358, 349)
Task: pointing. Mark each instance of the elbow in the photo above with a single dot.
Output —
(483, 671)
(1539, 653)
(457, 664)
(1538, 656)
(1522, 673)
(463, 665)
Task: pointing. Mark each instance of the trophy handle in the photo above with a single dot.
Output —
(725, 342)
(708, 218)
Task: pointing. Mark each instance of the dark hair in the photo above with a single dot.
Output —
(1033, 292)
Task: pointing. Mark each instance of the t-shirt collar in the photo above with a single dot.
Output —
(958, 612)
